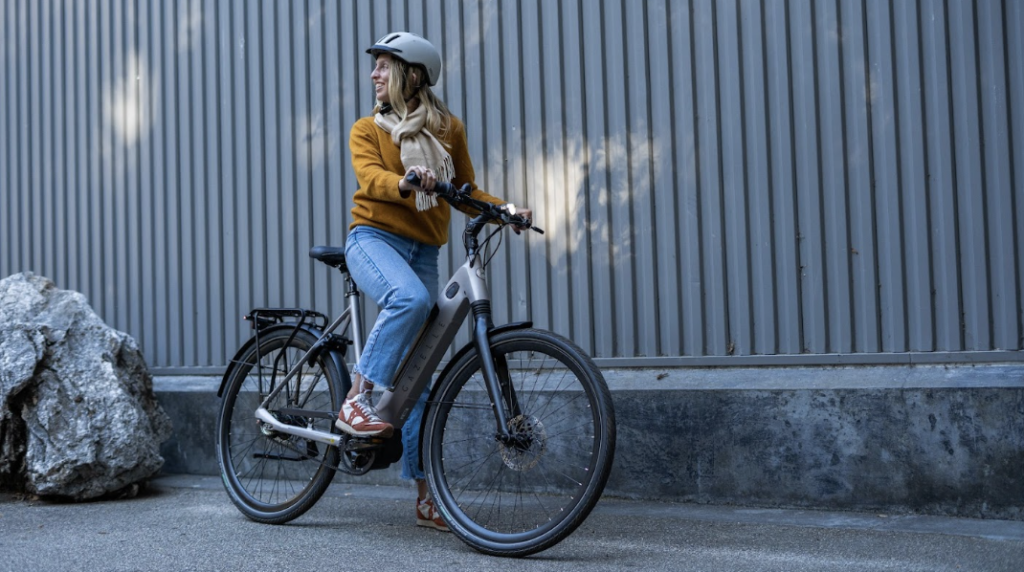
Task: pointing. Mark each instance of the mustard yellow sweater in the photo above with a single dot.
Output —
(379, 203)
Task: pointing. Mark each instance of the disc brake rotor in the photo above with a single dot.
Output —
(530, 443)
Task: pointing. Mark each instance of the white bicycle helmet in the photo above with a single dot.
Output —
(411, 49)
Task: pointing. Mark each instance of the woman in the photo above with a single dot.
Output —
(397, 228)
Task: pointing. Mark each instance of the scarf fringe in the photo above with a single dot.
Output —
(419, 147)
(425, 202)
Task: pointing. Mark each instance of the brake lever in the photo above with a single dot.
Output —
(528, 223)
(525, 222)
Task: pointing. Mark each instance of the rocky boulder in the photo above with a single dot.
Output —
(78, 416)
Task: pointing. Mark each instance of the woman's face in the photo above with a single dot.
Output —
(381, 74)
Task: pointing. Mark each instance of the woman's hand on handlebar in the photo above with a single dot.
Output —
(426, 178)
(526, 214)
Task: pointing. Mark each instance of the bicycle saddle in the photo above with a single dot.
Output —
(333, 256)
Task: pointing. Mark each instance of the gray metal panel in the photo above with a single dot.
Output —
(996, 168)
(941, 202)
(1014, 37)
(769, 181)
(886, 184)
(665, 155)
(780, 186)
(7, 132)
(913, 177)
(970, 178)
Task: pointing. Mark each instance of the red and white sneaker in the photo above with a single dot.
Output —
(427, 515)
(359, 418)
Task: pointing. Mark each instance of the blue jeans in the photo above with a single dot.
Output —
(401, 275)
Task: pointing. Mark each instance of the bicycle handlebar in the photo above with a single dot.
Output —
(456, 196)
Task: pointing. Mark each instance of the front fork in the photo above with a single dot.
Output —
(496, 373)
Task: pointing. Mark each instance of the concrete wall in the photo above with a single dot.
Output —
(932, 445)
(929, 439)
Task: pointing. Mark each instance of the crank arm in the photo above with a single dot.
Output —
(313, 435)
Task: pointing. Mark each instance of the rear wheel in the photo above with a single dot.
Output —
(518, 496)
(274, 477)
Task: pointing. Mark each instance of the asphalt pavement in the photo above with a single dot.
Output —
(184, 522)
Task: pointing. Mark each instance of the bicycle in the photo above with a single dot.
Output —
(518, 434)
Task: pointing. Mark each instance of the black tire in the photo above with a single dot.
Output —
(274, 478)
(518, 500)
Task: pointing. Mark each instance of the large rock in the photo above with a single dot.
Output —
(78, 417)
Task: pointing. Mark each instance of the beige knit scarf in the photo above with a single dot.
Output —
(419, 147)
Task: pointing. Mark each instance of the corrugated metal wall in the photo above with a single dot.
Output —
(736, 181)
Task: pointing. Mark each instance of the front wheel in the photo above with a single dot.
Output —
(515, 497)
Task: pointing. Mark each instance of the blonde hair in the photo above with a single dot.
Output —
(408, 81)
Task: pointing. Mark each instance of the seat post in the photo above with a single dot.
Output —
(355, 307)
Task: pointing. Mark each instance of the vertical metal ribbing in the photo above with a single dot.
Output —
(741, 178)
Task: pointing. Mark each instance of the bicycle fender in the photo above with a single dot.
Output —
(455, 359)
(252, 342)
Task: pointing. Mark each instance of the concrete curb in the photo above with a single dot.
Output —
(933, 439)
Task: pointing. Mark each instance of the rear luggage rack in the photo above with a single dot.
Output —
(263, 318)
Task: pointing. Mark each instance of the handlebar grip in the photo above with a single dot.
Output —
(440, 187)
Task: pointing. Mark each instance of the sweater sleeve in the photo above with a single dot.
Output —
(375, 179)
